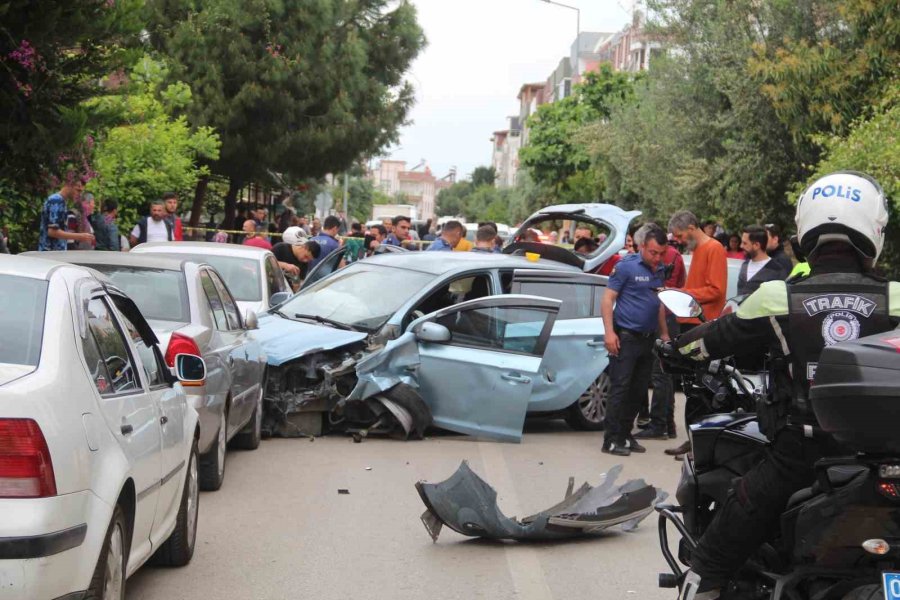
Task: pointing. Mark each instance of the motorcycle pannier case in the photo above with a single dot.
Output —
(856, 393)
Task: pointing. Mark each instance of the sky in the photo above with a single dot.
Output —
(479, 54)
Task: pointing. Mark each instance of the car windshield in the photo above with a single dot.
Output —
(361, 295)
(159, 293)
(21, 319)
(241, 275)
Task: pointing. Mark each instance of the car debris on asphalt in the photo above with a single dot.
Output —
(468, 505)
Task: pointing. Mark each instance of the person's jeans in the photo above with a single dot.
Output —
(629, 374)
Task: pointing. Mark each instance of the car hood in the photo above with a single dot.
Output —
(284, 340)
(9, 372)
(609, 215)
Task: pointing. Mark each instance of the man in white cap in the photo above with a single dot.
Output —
(295, 252)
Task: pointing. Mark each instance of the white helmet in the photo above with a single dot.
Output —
(844, 206)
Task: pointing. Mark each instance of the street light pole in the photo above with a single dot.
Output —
(577, 19)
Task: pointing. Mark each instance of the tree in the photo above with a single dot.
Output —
(554, 156)
(294, 87)
(52, 54)
(151, 152)
(484, 176)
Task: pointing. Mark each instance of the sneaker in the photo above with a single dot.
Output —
(651, 434)
(632, 445)
(617, 449)
(672, 431)
(643, 422)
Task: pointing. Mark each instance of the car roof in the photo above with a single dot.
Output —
(443, 262)
(33, 267)
(237, 250)
(120, 259)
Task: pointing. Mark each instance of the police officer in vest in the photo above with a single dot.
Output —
(841, 220)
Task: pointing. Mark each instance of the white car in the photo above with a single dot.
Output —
(98, 452)
(251, 274)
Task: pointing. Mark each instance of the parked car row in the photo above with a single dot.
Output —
(123, 378)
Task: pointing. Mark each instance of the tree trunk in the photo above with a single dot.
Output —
(234, 187)
(199, 198)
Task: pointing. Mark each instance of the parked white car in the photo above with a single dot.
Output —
(98, 452)
(252, 274)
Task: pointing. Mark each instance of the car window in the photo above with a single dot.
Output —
(577, 299)
(232, 314)
(160, 293)
(459, 290)
(149, 357)
(241, 274)
(110, 360)
(509, 329)
(21, 319)
(274, 278)
(215, 303)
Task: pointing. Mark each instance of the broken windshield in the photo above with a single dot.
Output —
(362, 295)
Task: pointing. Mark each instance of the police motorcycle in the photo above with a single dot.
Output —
(840, 538)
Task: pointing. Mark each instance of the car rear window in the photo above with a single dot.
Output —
(159, 293)
(21, 319)
(241, 275)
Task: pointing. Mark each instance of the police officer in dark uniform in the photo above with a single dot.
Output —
(631, 328)
(840, 224)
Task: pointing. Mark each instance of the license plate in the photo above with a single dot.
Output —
(891, 583)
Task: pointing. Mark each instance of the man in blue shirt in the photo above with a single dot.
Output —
(327, 239)
(451, 233)
(631, 328)
(399, 235)
(53, 234)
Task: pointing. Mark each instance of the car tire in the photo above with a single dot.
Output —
(866, 592)
(108, 581)
(178, 550)
(587, 413)
(410, 400)
(212, 465)
(249, 438)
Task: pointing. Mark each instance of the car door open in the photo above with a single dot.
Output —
(479, 360)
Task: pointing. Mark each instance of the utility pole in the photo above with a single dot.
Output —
(346, 216)
(577, 19)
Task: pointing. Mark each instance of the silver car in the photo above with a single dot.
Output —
(252, 274)
(192, 311)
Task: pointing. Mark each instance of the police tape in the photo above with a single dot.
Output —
(279, 234)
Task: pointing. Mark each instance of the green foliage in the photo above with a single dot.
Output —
(151, 151)
(52, 54)
(300, 88)
(484, 176)
(555, 157)
(361, 195)
(821, 79)
(872, 146)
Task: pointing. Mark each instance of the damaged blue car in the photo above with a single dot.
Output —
(467, 342)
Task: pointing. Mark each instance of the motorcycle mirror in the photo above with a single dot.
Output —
(681, 304)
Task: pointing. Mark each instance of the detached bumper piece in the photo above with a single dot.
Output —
(468, 505)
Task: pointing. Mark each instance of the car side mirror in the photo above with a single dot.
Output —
(190, 370)
(681, 304)
(250, 320)
(278, 297)
(433, 332)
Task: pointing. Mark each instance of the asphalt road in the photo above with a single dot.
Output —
(279, 529)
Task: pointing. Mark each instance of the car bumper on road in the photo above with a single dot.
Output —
(49, 546)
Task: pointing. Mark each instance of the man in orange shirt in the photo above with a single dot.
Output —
(707, 278)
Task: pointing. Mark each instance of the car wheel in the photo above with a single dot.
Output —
(108, 582)
(212, 466)
(867, 592)
(249, 438)
(178, 550)
(587, 413)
